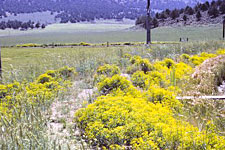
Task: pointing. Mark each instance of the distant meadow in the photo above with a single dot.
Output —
(104, 31)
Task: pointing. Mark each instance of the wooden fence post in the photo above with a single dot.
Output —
(0, 63)
(223, 28)
(148, 24)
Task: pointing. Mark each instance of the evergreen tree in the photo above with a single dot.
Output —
(174, 14)
(163, 16)
(190, 11)
(198, 16)
(157, 15)
(204, 7)
(155, 23)
(43, 26)
(37, 25)
(213, 12)
(222, 8)
(185, 18)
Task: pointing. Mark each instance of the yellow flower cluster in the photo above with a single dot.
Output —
(43, 89)
(198, 59)
(163, 74)
(139, 114)
(118, 121)
(137, 63)
(106, 71)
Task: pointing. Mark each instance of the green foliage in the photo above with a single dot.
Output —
(169, 63)
(139, 64)
(108, 70)
(126, 121)
(163, 96)
(23, 107)
(139, 78)
(67, 72)
(44, 78)
(112, 85)
(84, 44)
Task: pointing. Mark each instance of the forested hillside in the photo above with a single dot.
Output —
(201, 14)
(87, 10)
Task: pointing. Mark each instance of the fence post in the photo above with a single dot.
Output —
(0, 64)
(148, 24)
(223, 28)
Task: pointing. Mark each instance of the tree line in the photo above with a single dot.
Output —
(213, 10)
(76, 10)
(14, 24)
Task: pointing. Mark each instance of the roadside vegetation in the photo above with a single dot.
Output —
(133, 104)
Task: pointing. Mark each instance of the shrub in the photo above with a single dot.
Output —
(66, 72)
(139, 78)
(183, 71)
(108, 70)
(220, 52)
(3, 91)
(139, 64)
(43, 90)
(44, 78)
(110, 85)
(51, 73)
(135, 123)
(84, 44)
(196, 60)
(127, 56)
(145, 65)
(156, 78)
(169, 62)
(185, 58)
(163, 96)
(135, 59)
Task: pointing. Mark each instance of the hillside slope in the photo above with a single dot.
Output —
(87, 10)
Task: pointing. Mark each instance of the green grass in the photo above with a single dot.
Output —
(28, 63)
(100, 33)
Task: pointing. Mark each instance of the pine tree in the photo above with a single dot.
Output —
(222, 8)
(155, 23)
(185, 18)
(213, 12)
(198, 16)
(37, 25)
(174, 14)
(204, 7)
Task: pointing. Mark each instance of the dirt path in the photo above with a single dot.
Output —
(61, 126)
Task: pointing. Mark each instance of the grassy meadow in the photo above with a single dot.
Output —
(19, 63)
(102, 32)
(117, 97)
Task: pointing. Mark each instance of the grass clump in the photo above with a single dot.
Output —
(23, 109)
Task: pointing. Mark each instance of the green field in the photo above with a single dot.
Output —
(47, 90)
(102, 32)
(31, 122)
(19, 63)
